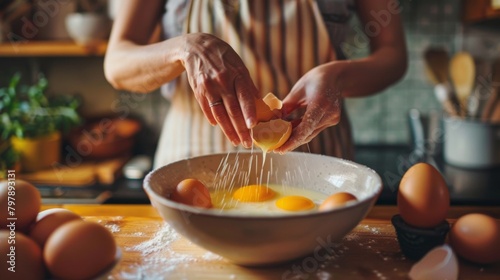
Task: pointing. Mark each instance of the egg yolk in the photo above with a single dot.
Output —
(253, 193)
(294, 203)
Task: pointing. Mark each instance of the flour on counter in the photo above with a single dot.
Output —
(158, 258)
(211, 256)
(113, 225)
(162, 238)
(113, 228)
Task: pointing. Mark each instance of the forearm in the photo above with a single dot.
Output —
(143, 68)
(367, 76)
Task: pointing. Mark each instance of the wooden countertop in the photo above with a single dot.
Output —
(153, 250)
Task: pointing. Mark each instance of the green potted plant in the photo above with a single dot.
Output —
(9, 159)
(33, 123)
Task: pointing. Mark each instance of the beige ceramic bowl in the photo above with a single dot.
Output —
(258, 240)
(88, 29)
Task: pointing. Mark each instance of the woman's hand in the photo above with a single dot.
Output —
(319, 93)
(222, 85)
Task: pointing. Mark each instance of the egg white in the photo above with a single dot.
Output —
(224, 201)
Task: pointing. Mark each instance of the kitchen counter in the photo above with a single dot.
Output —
(152, 250)
(467, 186)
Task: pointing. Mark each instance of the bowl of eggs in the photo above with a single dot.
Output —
(257, 211)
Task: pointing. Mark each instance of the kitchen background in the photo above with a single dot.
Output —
(381, 119)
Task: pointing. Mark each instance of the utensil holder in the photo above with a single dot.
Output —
(471, 143)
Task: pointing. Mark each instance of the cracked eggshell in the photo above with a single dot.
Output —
(439, 263)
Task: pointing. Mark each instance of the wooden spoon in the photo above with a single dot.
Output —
(495, 116)
(481, 91)
(436, 67)
(463, 73)
(491, 110)
(436, 62)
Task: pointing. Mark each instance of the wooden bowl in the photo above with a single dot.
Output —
(105, 138)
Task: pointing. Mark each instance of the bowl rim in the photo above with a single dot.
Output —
(219, 213)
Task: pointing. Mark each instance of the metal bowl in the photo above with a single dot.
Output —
(264, 240)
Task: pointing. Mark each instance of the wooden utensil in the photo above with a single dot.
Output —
(495, 116)
(104, 172)
(436, 62)
(493, 103)
(462, 73)
(481, 91)
(436, 68)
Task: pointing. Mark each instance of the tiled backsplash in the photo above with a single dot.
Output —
(382, 118)
(379, 119)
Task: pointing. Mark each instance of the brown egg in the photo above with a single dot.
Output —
(192, 192)
(79, 250)
(49, 220)
(24, 200)
(423, 197)
(476, 237)
(20, 257)
(336, 200)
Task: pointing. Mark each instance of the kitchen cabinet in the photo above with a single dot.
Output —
(481, 11)
(50, 48)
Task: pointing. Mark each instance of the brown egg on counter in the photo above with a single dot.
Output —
(24, 201)
(49, 220)
(79, 250)
(192, 192)
(336, 200)
(476, 237)
(423, 197)
(20, 257)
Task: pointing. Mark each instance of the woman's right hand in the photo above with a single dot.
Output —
(221, 84)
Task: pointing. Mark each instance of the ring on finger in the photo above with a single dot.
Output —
(216, 103)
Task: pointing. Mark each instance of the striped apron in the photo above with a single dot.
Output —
(279, 41)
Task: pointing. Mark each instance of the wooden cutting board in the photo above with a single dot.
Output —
(81, 175)
(153, 250)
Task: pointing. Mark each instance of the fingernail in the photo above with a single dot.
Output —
(248, 143)
(249, 122)
(235, 143)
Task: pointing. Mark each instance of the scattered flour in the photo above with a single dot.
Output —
(209, 256)
(158, 260)
(351, 236)
(379, 275)
(373, 230)
(112, 227)
(323, 275)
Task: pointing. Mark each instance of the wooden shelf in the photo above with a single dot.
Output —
(480, 11)
(50, 48)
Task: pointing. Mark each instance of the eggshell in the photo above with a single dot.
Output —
(336, 200)
(49, 220)
(439, 263)
(476, 237)
(26, 257)
(25, 207)
(79, 250)
(192, 192)
(423, 197)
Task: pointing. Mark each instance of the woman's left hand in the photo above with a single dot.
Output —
(319, 93)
